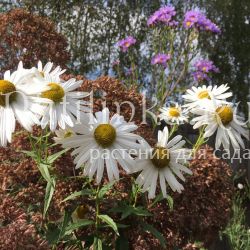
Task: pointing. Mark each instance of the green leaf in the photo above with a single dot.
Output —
(31, 154)
(170, 202)
(44, 170)
(160, 197)
(119, 225)
(77, 194)
(127, 210)
(55, 156)
(74, 226)
(121, 243)
(139, 211)
(66, 220)
(105, 189)
(52, 234)
(97, 244)
(149, 228)
(157, 199)
(109, 221)
(50, 188)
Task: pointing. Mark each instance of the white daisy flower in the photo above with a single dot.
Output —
(203, 96)
(223, 119)
(18, 101)
(63, 133)
(165, 160)
(100, 141)
(65, 103)
(173, 115)
(47, 70)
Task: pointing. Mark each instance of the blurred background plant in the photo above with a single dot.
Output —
(237, 232)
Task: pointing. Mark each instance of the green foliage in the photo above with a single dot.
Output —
(237, 233)
(109, 221)
(50, 188)
(77, 194)
(121, 243)
(149, 228)
(127, 210)
(103, 191)
(160, 197)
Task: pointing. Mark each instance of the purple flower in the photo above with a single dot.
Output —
(129, 72)
(206, 66)
(191, 18)
(200, 76)
(198, 20)
(160, 59)
(163, 16)
(203, 69)
(124, 44)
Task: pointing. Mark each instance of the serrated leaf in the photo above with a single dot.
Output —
(149, 228)
(109, 221)
(50, 188)
(105, 189)
(77, 194)
(52, 158)
(74, 226)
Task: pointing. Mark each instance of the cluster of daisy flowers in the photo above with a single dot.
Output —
(204, 69)
(208, 108)
(102, 142)
(38, 96)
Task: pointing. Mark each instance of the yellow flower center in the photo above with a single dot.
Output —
(204, 69)
(105, 135)
(56, 92)
(188, 24)
(160, 157)
(7, 92)
(81, 211)
(204, 95)
(174, 112)
(42, 73)
(68, 134)
(225, 113)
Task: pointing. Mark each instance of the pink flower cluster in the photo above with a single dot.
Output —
(196, 19)
(203, 70)
(163, 16)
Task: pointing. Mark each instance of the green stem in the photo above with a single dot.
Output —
(200, 140)
(97, 206)
(173, 129)
(46, 144)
